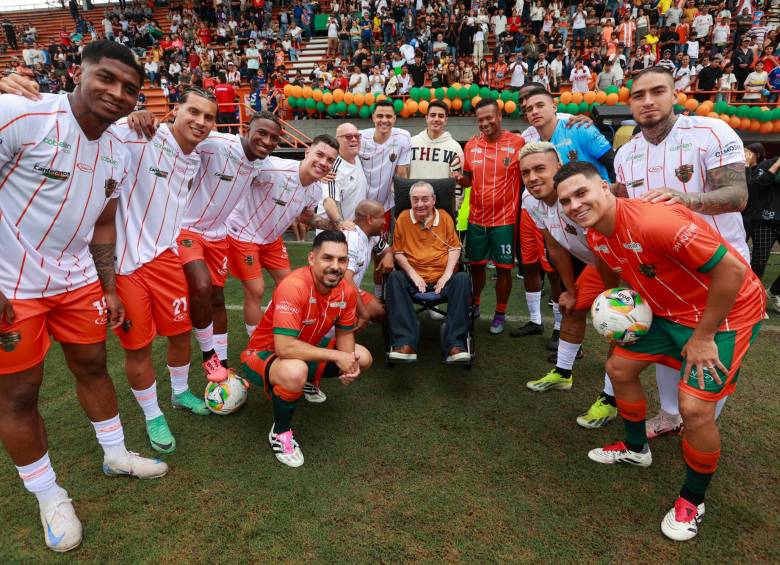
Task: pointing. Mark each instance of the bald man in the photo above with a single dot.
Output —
(346, 185)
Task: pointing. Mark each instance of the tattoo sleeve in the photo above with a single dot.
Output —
(619, 190)
(727, 191)
(103, 256)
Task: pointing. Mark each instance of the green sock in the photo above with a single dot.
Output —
(283, 413)
(636, 435)
(695, 485)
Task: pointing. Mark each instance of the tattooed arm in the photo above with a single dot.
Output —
(727, 192)
(102, 249)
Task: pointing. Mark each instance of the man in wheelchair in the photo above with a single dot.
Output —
(426, 249)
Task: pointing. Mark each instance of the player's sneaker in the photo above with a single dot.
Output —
(285, 448)
(497, 325)
(775, 300)
(133, 465)
(61, 527)
(598, 415)
(436, 316)
(215, 371)
(619, 453)
(188, 401)
(663, 423)
(552, 380)
(552, 343)
(160, 435)
(475, 312)
(531, 328)
(681, 523)
(312, 393)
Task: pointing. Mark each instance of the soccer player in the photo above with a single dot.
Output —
(348, 187)
(492, 171)
(569, 252)
(62, 168)
(290, 348)
(385, 152)
(284, 190)
(707, 306)
(692, 160)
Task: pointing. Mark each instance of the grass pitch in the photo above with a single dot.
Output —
(416, 463)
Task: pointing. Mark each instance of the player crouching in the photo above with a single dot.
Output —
(290, 348)
(707, 306)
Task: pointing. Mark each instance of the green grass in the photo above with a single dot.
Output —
(422, 463)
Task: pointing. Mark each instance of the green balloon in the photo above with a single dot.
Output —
(332, 109)
(397, 71)
(341, 107)
(364, 112)
(352, 109)
(612, 89)
(494, 94)
(452, 93)
(320, 106)
(484, 92)
(292, 101)
(466, 106)
(561, 108)
(311, 104)
(425, 93)
(754, 112)
(516, 98)
(775, 114)
(743, 111)
(720, 107)
(730, 110)
(583, 107)
(629, 83)
(473, 90)
(439, 92)
(505, 95)
(463, 93)
(398, 105)
(572, 108)
(371, 109)
(414, 93)
(678, 108)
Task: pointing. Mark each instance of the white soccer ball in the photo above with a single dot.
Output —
(621, 315)
(228, 396)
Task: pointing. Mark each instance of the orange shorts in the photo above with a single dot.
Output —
(156, 299)
(246, 259)
(194, 247)
(78, 317)
(256, 365)
(532, 243)
(589, 286)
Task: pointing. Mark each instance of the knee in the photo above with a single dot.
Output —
(365, 359)
(200, 287)
(617, 370)
(293, 374)
(19, 399)
(91, 364)
(695, 412)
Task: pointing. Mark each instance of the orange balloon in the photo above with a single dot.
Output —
(708, 105)
(288, 90)
(767, 127)
(405, 112)
(380, 97)
(327, 98)
(338, 95)
(691, 104)
(735, 122)
(411, 106)
(601, 97)
(713, 115)
(510, 107)
(612, 99)
(681, 98)
(776, 125)
(317, 95)
(744, 123)
(565, 97)
(349, 98)
(422, 106)
(623, 94)
(475, 101)
(297, 91)
(369, 98)
(726, 118)
(755, 125)
(307, 91)
(456, 85)
(457, 103)
(500, 104)
(447, 101)
(433, 94)
(359, 99)
(589, 97)
(576, 97)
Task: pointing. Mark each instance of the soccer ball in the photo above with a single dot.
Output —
(622, 315)
(228, 396)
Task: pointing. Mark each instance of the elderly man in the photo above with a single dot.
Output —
(346, 185)
(426, 250)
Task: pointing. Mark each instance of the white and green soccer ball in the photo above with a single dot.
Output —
(228, 396)
(621, 315)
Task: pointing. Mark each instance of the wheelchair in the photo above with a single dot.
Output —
(445, 203)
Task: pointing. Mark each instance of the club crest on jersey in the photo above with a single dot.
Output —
(110, 187)
(8, 340)
(249, 259)
(507, 161)
(572, 155)
(647, 269)
(636, 183)
(570, 229)
(158, 172)
(186, 243)
(50, 173)
(684, 173)
(393, 157)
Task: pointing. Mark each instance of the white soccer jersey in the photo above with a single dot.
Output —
(276, 198)
(54, 184)
(380, 162)
(150, 211)
(221, 184)
(695, 145)
(360, 249)
(569, 234)
(349, 188)
(530, 134)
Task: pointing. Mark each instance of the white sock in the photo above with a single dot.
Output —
(668, 381)
(250, 329)
(567, 353)
(221, 346)
(111, 437)
(179, 378)
(534, 302)
(147, 400)
(379, 290)
(608, 386)
(39, 478)
(557, 316)
(205, 337)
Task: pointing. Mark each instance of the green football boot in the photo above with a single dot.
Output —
(188, 401)
(552, 380)
(160, 435)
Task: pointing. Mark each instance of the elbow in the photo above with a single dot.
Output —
(742, 202)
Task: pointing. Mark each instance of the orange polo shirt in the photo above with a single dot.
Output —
(426, 246)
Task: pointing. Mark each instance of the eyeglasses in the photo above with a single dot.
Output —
(350, 136)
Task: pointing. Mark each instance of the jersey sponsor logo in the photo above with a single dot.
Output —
(83, 167)
(338, 304)
(308, 322)
(226, 178)
(731, 147)
(288, 307)
(52, 174)
(62, 145)
(657, 169)
(636, 183)
(280, 202)
(636, 157)
(685, 236)
(572, 155)
(158, 172)
(243, 170)
(680, 147)
(109, 161)
(110, 187)
(647, 269)
(227, 154)
(509, 150)
(8, 340)
(601, 249)
(477, 162)
(165, 148)
(477, 150)
(633, 246)
(684, 173)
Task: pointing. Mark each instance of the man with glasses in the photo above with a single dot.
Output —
(347, 185)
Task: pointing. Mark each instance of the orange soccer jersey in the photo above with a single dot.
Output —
(298, 309)
(665, 253)
(495, 170)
